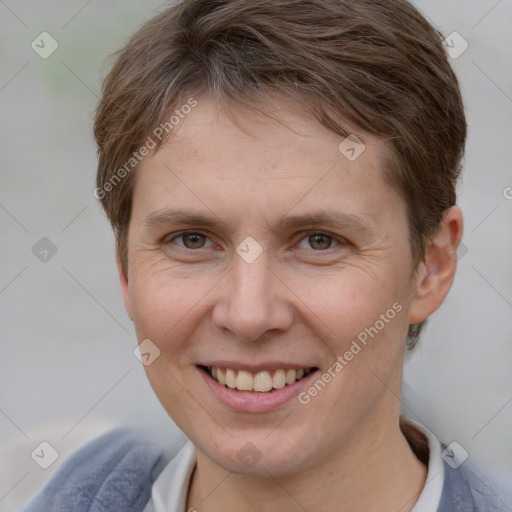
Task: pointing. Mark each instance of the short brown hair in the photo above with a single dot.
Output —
(377, 63)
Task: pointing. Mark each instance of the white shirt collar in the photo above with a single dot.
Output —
(431, 494)
(170, 489)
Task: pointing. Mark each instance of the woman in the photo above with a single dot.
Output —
(280, 177)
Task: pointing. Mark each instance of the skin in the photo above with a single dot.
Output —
(303, 300)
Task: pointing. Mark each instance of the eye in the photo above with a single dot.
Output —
(320, 241)
(190, 239)
(194, 240)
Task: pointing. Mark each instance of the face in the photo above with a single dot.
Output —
(258, 248)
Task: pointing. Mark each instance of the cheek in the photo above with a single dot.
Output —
(171, 302)
(365, 326)
(162, 298)
(346, 302)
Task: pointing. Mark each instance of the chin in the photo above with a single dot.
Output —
(263, 453)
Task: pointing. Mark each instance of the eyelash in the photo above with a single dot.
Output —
(339, 240)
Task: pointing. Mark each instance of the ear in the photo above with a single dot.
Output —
(125, 289)
(435, 275)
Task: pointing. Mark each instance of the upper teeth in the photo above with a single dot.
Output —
(260, 381)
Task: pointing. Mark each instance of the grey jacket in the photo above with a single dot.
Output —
(115, 472)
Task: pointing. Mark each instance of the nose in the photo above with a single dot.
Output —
(253, 302)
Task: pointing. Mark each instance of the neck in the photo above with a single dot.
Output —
(382, 475)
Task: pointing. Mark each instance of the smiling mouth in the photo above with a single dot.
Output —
(260, 382)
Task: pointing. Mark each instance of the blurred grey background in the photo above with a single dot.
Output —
(67, 371)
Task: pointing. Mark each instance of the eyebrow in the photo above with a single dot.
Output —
(186, 217)
(335, 219)
(330, 218)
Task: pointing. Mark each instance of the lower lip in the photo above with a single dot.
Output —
(254, 401)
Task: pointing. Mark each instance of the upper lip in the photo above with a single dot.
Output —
(254, 368)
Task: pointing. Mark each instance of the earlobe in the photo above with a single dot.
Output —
(125, 290)
(435, 276)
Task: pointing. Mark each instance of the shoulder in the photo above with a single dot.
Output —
(463, 488)
(466, 489)
(114, 471)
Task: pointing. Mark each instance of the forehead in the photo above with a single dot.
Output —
(240, 161)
